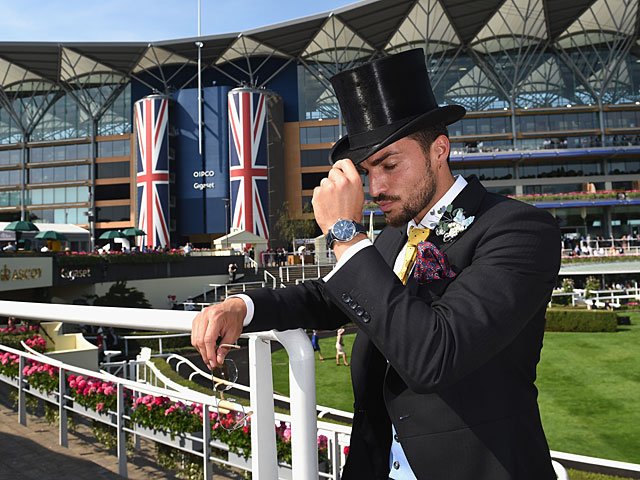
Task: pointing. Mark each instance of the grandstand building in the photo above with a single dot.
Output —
(552, 91)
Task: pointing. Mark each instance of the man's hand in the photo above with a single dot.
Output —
(340, 195)
(222, 320)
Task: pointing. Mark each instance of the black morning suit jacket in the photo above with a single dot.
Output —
(451, 363)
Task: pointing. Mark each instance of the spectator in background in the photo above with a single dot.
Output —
(340, 348)
(187, 249)
(189, 305)
(315, 344)
(233, 268)
(171, 302)
(11, 247)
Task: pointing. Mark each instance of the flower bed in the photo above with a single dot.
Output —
(601, 195)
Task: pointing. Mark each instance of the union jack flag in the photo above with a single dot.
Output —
(248, 162)
(153, 171)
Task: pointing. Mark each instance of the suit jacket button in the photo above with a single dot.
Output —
(346, 298)
(396, 438)
(353, 304)
(396, 465)
(359, 310)
(366, 317)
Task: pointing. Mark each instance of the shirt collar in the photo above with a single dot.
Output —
(431, 219)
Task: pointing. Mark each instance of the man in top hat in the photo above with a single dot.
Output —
(450, 300)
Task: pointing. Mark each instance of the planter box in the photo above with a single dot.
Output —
(105, 417)
(180, 440)
(9, 380)
(284, 470)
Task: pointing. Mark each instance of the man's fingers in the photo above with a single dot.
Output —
(210, 338)
(347, 167)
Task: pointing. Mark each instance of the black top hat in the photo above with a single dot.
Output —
(385, 100)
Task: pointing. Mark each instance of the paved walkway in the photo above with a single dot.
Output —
(33, 453)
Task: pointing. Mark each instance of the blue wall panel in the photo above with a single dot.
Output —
(202, 182)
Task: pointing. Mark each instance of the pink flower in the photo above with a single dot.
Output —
(287, 434)
(99, 406)
(245, 429)
(322, 441)
(346, 450)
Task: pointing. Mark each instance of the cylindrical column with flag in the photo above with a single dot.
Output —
(248, 161)
(151, 121)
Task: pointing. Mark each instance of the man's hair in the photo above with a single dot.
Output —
(426, 136)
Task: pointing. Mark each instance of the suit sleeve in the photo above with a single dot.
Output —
(434, 343)
(301, 306)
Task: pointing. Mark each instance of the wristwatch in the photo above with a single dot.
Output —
(343, 231)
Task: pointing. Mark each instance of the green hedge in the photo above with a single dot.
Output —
(579, 320)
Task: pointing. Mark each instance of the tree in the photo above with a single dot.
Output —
(119, 295)
(291, 228)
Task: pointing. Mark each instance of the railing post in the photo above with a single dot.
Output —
(206, 443)
(22, 405)
(160, 345)
(126, 347)
(63, 436)
(121, 435)
(302, 388)
(335, 461)
(264, 463)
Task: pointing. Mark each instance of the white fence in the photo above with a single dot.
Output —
(264, 463)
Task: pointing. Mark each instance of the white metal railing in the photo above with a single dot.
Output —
(250, 261)
(285, 275)
(263, 442)
(234, 286)
(268, 278)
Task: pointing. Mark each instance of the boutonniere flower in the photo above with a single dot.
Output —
(452, 222)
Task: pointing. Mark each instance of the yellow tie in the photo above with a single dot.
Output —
(416, 235)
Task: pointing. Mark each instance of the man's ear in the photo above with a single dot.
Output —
(440, 151)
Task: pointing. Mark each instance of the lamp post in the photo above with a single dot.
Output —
(226, 221)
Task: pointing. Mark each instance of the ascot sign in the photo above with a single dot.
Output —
(20, 273)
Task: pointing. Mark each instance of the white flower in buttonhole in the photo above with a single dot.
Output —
(452, 222)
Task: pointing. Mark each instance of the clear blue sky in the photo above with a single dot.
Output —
(144, 20)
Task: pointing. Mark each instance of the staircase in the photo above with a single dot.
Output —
(293, 273)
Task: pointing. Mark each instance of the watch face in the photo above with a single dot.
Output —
(344, 230)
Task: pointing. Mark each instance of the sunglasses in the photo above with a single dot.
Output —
(224, 377)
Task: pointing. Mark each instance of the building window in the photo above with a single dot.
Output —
(10, 198)
(314, 158)
(67, 173)
(113, 170)
(44, 196)
(58, 215)
(624, 167)
(119, 191)
(320, 134)
(119, 213)
(312, 180)
(54, 153)
(10, 157)
(115, 148)
(10, 177)
(552, 189)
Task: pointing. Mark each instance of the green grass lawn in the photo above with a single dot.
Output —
(589, 389)
(333, 383)
(590, 392)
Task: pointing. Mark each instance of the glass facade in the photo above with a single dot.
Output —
(45, 196)
(314, 158)
(10, 198)
(624, 167)
(10, 157)
(320, 134)
(564, 169)
(113, 170)
(58, 215)
(560, 188)
(67, 173)
(557, 122)
(120, 213)
(54, 153)
(114, 148)
(489, 172)
(10, 177)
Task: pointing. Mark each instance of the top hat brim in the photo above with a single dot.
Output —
(446, 115)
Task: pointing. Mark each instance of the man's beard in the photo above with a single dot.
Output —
(414, 204)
